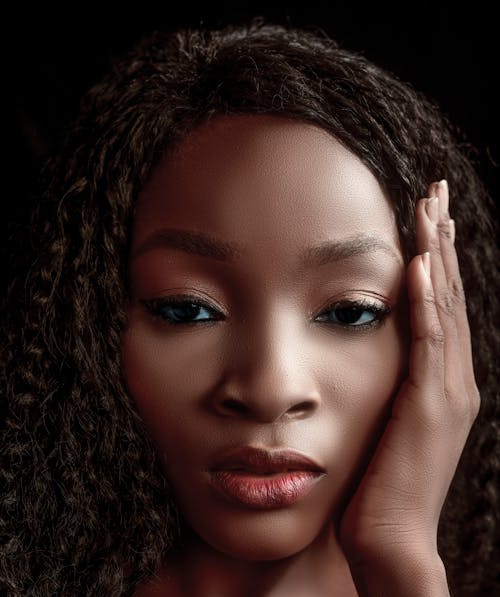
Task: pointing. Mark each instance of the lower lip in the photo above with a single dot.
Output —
(264, 492)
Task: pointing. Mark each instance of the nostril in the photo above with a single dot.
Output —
(231, 406)
(303, 408)
(267, 409)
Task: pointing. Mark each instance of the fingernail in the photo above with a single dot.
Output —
(435, 188)
(432, 209)
(452, 230)
(444, 196)
(426, 262)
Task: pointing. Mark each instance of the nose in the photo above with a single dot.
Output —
(267, 381)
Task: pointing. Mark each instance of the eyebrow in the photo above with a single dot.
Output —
(206, 245)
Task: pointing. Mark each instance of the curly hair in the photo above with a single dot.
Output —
(84, 505)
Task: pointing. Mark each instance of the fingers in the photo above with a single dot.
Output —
(456, 296)
(436, 234)
(427, 354)
(432, 234)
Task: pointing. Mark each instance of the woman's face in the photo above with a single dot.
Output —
(297, 338)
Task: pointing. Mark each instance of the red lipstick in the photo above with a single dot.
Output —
(264, 479)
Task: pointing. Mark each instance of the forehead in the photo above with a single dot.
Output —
(270, 184)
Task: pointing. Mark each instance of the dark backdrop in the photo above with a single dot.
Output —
(54, 55)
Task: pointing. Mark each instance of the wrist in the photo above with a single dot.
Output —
(406, 573)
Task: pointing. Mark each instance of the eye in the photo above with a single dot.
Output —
(188, 310)
(182, 310)
(356, 314)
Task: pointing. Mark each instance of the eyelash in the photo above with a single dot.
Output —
(379, 311)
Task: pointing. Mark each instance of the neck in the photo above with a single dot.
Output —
(200, 571)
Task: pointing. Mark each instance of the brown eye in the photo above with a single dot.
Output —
(352, 314)
(175, 311)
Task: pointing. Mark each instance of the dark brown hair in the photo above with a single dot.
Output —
(84, 506)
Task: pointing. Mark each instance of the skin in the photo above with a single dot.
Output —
(273, 372)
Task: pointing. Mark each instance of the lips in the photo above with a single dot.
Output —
(264, 479)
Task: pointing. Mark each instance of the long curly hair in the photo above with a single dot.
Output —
(84, 506)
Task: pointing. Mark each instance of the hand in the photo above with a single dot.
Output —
(389, 528)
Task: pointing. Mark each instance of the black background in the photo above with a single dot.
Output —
(54, 54)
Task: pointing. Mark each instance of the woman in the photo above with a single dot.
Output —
(301, 436)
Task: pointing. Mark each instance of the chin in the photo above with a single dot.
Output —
(259, 536)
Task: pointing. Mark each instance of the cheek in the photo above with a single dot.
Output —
(364, 376)
(370, 368)
(166, 377)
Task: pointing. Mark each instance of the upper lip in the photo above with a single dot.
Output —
(262, 461)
